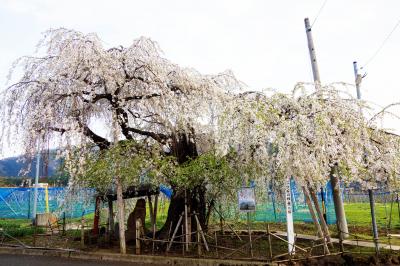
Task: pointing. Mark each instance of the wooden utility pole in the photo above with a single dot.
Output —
(337, 198)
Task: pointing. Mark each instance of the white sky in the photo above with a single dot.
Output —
(262, 42)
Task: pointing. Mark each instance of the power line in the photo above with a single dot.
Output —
(382, 45)
(319, 12)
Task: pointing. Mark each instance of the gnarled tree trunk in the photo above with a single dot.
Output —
(184, 148)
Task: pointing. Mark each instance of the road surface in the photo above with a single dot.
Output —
(29, 260)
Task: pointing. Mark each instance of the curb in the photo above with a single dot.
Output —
(142, 259)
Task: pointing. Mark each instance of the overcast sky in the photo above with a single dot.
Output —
(262, 42)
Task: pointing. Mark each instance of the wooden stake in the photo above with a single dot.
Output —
(249, 230)
(183, 237)
(221, 220)
(175, 231)
(201, 232)
(198, 240)
(269, 242)
(216, 243)
(155, 220)
(230, 227)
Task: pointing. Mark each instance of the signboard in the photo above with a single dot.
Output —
(289, 218)
(247, 199)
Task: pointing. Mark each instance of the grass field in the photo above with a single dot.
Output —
(360, 214)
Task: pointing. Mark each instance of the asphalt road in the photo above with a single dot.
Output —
(29, 260)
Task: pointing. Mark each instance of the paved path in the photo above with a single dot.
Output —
(346, 242)
(30, 260)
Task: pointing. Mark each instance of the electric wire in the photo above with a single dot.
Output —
(382, 45)
(319, 12)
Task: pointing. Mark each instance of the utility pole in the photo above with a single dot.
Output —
(358, 79)
(35, 194)
(313, 57)
(337, 198)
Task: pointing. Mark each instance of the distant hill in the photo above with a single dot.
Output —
(11, 167)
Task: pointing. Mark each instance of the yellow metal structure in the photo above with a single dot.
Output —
(46, 189)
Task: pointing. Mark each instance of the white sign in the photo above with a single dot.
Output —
(247, 199)
(289, 218)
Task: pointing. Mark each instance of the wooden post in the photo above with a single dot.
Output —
(373, 218)
(183, 239)
(82, 232)
(320, 215)
(137, 234)
(64, 225)
(398, 204)
(269, 242)
(155, 220)
(201, 232)
(216, 242)
(34, 234)
(121, 216)
(249, 230)
(314, 218)
(175, 231)
(221, 224)
(151, 210)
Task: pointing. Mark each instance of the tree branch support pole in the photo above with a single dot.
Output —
(320, 214)
(373, 217)
(121, 216)
(338, 203)
(175, 231)
(315, 220)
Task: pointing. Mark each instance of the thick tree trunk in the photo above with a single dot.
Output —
(196, 203)
(184, 148)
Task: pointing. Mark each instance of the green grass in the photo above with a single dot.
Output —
(18, 227)
(359, 214)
